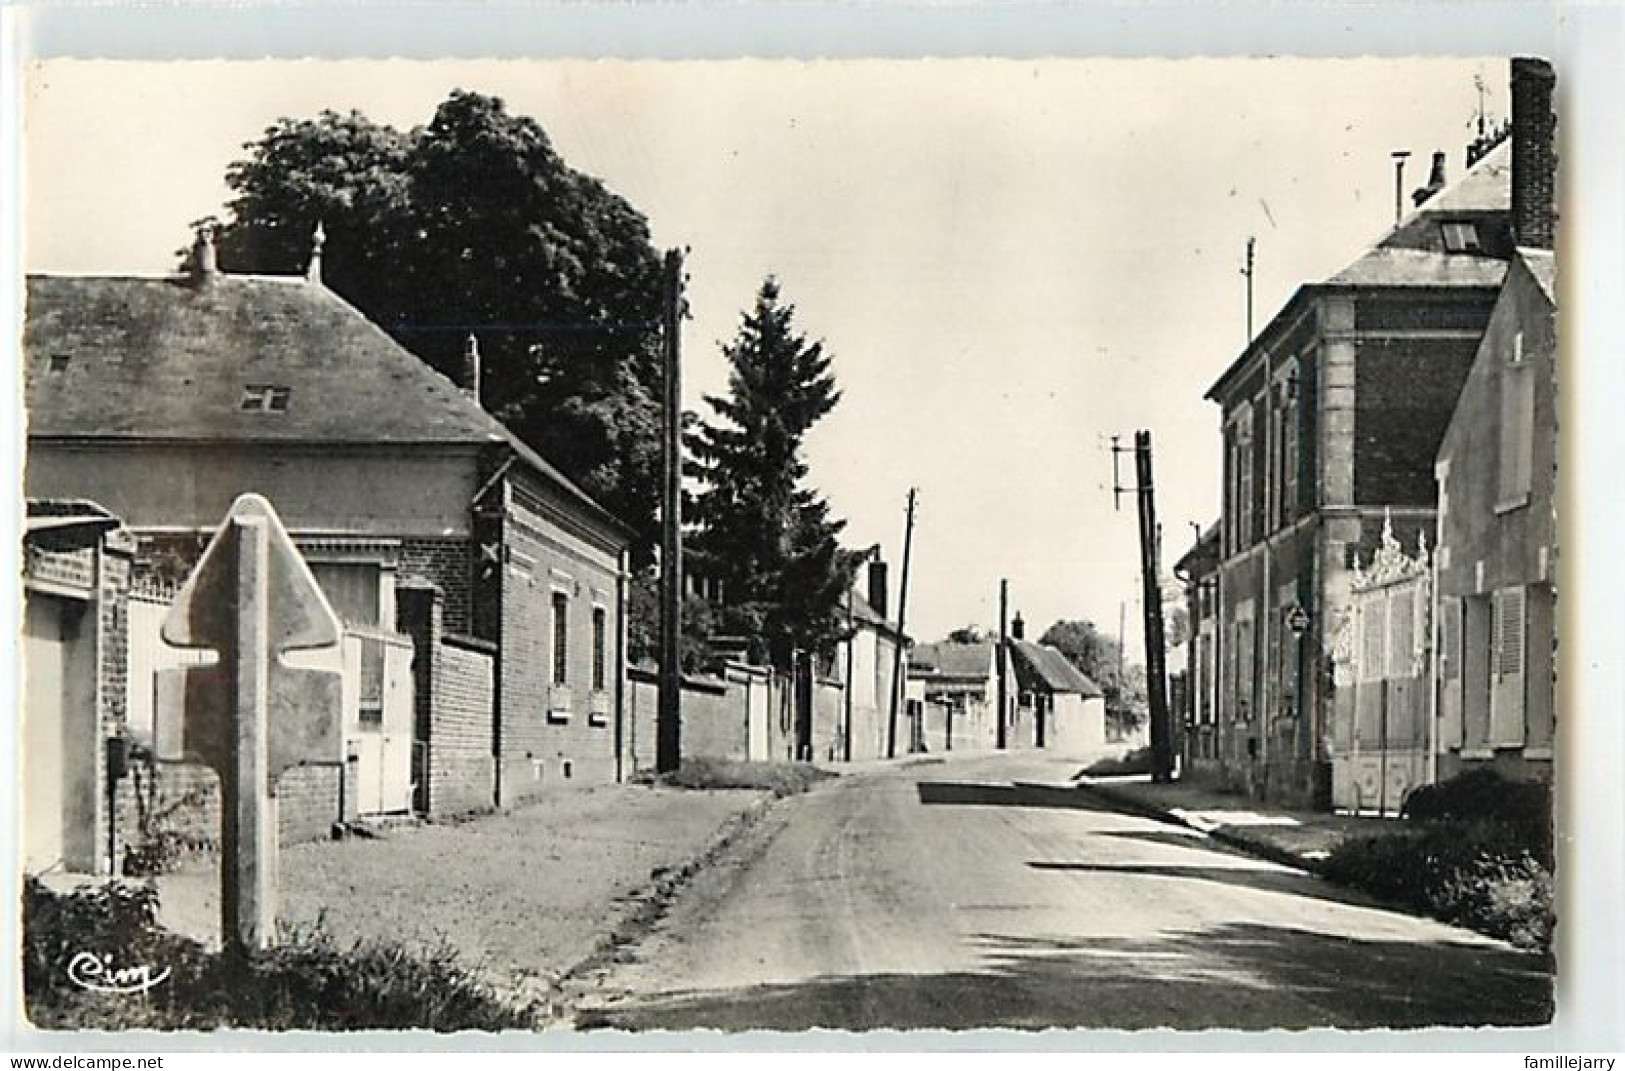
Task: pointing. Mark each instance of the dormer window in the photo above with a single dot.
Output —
(1461, 237)
(265, 398)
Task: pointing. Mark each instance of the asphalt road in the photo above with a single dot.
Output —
(989, 893)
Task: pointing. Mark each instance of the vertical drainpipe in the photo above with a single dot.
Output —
(620, 664)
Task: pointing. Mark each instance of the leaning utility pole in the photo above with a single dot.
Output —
(1156, 681)
(668, 723)
(898, 681)
(1004, 628)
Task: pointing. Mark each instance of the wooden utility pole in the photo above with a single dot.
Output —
(1003, 660)
(898, 681)
(1162, 750)
(669, 713)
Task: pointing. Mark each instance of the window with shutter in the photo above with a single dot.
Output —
(1451, 728)
(1517, 430)
(1507, 630)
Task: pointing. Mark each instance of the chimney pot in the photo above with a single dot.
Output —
(1018, 627)
(1436, 181)
(205, 266)
(318, 238)
(471, 368)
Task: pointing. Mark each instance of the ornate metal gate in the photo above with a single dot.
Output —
(1381, 739)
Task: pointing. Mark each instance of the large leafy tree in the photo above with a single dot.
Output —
(474, 224)
(1098, 656)
(762, 531)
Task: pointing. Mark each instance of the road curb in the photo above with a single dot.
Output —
(1241, 842)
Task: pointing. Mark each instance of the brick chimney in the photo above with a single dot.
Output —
(1435, 181)
(471, 369)
(1018, 627)
(1534, 153)
(877, 586)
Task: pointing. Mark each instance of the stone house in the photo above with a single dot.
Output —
(1057, 708)
(867, 665)
(1331, 418)
(421, 515)
(1198, 571)
(959, 688)
(1496, 559)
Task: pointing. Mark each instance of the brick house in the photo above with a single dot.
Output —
(164, 398)
(1331, 419)
(1496, 560)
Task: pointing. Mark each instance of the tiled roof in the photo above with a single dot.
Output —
(947, 659)
(863, 610)
(1048, 668)
(1542, 264)
(166, 359)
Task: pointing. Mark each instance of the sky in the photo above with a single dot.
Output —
(1011, 261)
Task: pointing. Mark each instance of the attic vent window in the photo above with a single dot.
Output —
(265, 399)
(1461, 238)
(59, 362)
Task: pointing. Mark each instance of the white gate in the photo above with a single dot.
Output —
(1381, 737)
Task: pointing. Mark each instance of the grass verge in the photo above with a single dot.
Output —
(307, 983)
(780, 778)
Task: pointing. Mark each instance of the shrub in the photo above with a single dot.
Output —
(308, 983)
(1482, 795)
(780, 778)
(1478, 874)
(1137, 761)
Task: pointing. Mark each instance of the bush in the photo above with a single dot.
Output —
(306, 984)
(1137, 761)
(1482, 795)
(780, 778)
(1476, 874)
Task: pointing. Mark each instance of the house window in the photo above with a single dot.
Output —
(1241, 482)
(600, 648)
(1508, 624)
(1460, 237)
(265, 398)
(561, 637)
(1516, 461)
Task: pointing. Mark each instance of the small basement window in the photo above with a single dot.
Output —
(263, 398)
(1461, 238)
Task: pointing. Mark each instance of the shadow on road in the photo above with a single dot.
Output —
(1238, 976)
(1268, 878)
(1014, 794)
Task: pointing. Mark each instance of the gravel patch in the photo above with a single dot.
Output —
(523, 896)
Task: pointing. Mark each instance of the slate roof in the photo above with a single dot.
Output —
(166, 359)
(947, 659)
(1047, 668)
(1542, 264)
(863, 610)
(1419, 268)
(1484, 189)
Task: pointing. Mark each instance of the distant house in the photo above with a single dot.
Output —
(1198, 570)
(421, 515)
(1496, 558)
(1058, 708)
(959, 686)
(1332, 417)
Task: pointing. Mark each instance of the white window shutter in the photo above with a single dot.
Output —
(1508, 625)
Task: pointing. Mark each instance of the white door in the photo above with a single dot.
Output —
(44, 652)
